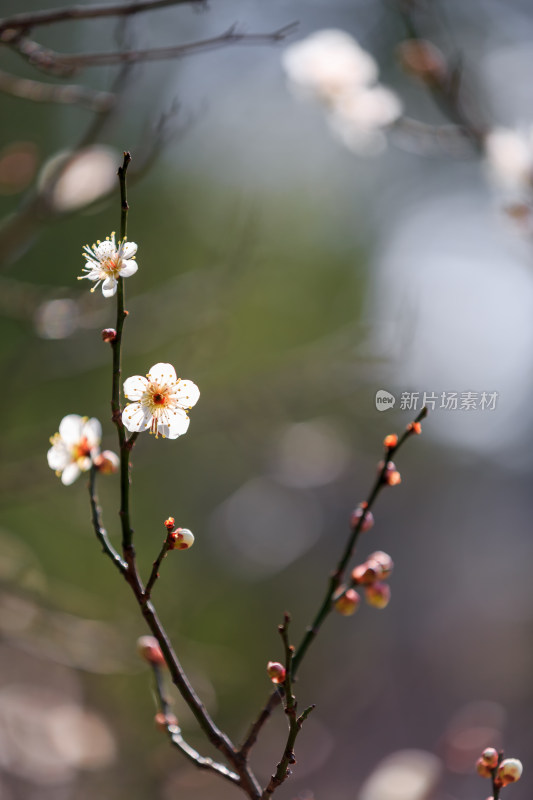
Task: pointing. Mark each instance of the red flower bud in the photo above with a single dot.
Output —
(148, 648)
(109, 335)
(348, 603)
(276, 672)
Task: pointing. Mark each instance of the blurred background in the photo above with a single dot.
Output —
(291, 278)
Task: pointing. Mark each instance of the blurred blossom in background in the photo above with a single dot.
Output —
(313, 231)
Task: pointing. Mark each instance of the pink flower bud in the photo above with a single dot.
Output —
(109, 335)
(181, 539)
(148, 648)
(162, 722)
(385, 561)
(490, 757)
(107, 462)
(509, 771)
(378, 595)
(357, 513)
(276, 672)
(483, 768)
(368, 573)
(348, 603)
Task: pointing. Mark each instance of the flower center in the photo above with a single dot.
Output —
(81, 450)
(159, 399)
(111, 265)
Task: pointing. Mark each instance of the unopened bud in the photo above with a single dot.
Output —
(148, 648)
(391, 476)
(107, 462)
(368, 573)
(490, 757)
(390, 441)
(181, 539)
(422, 59)
(385, 561)
(276, 672)
(109, 335)
(357, 513)
(509, 771)
(348, 603)
(163, 721)
(414, 427)
(169, 523)
(483, 769)
(378, 595)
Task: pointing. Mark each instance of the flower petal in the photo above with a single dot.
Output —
(104, 250)
(128, 249)
(186, 394)
(58, 456)
(136, 417)
(135, 387)
(93, 431)
(70, 474)
(109, 287)
(162, 373)
(70, 428)
(178, 423)
(128, 268)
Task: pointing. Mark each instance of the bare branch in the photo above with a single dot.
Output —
(39, 92)
(67, 65)
(30, 20)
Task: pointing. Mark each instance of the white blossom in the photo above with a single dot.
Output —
(74, 447)
(332, 67)
(161, 401)
(328, 64)
(106, 263)
(509, 155)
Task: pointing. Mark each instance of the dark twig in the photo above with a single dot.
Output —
(154, 575)
(100, 531)
(334, 582)
(29, 20)
(283, 770)
(68, 65)
(174, 733)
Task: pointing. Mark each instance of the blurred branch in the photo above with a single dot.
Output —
(29, 20)
(334, 582)
(177, 739)
(445, 88)
(67, 65)
(40, 92)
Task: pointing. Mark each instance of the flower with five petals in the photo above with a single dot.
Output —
(161, 401)
(74, 447)
(106, 263)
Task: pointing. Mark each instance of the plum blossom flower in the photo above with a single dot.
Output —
(161, 401)
(74, 447)
(106, 263)
(509, 154)
(331, 67)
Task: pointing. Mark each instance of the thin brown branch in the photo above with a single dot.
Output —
(176, 738)
(68, 65)
(29, 20)
(333, 585)
(39, 92)
(283, 770)
(100, 531)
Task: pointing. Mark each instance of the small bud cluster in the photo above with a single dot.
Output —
(164, 721)
(502, 771)
(390, 475)
(357, 513)
(371, 576)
